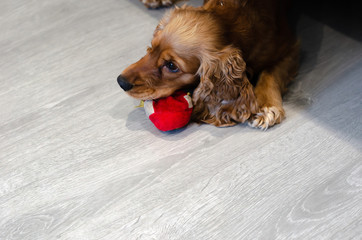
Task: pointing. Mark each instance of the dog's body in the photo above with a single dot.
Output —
(221, 49)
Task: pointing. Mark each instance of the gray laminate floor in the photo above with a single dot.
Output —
(78, 161)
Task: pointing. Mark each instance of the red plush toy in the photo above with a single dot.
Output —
(170, 113)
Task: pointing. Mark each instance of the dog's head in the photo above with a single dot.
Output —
(189, 50)
(173, 59)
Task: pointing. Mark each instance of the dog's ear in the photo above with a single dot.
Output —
(224, 96)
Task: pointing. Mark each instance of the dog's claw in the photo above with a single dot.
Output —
(157, 3)
(267, 117)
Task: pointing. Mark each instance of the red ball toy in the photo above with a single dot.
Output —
(171, 112)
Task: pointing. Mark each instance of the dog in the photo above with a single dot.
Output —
(238, 55)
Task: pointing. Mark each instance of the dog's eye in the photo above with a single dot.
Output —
(171, 67)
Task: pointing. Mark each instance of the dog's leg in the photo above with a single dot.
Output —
(158, 3)
(271, 86)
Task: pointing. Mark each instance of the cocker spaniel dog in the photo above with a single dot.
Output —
(237, 55)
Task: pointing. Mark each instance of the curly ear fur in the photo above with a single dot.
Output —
(224, 96)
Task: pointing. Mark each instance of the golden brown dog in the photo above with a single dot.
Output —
(221, 50)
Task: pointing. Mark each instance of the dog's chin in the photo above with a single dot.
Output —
(151, 94)
(142, 97)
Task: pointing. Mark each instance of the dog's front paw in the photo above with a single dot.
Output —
(157, 3)
(267, 117)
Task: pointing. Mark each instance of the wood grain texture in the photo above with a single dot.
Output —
(78, 161)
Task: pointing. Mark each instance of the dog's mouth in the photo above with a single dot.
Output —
(141, 93)
(144, 91)
(153, 94)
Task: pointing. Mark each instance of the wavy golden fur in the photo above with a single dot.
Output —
(220, 50)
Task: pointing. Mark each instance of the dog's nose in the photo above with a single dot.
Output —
(125, 85)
